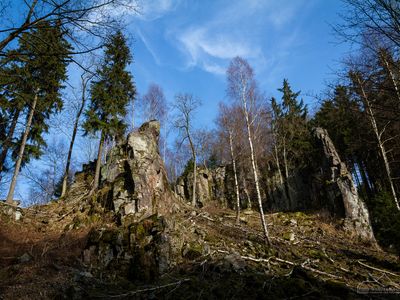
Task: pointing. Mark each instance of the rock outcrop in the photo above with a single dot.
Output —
(140, 251)
(325, 185)
(134, 178)
(342, 191)
(211, 185)
(134, 188)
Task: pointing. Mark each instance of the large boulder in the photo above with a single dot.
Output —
(341, 192)
(140, 251)
(134, 178)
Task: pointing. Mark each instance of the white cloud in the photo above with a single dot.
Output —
(198, 41)
(153, 9)
(211, 51)
(148, 47)
(214, 69)
(238, 29)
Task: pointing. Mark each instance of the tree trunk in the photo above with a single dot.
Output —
(10, 196)
(246, 192)
(194, 170)
(98, 165)
(278, 165)
(253, 164)
(71, 146)
(392, 77)
(17, 31)
(236, 179)
(379, 139)
(7, 142)
(286, 185)
(283, 186)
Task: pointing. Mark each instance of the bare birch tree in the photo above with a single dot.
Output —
(242, 88)
(227, 121)
(360, 84)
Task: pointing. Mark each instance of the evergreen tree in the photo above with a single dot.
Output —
(39, 70)
(291, 130)
(110, 94)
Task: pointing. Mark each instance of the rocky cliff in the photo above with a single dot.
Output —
(326, 185)
(135, 239)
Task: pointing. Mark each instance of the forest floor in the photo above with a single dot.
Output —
(311, 258)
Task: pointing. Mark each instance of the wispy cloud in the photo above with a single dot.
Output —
(211, 51)
(237, 30)
(148, 46)
(151, 10)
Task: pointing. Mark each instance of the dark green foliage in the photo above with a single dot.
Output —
(290, 127)
(385, 219)
(112, 90)
(213, 161)
(188, 168)
(36, 67)
(343, 119)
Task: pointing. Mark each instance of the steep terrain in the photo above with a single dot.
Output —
(42, 258)
(135, 239)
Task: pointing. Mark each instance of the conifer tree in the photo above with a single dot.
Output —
(40, 69)
(292, 138)
(110, 94)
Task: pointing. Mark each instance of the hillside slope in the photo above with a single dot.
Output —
(41, 257)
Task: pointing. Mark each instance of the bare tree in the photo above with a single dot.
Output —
(85, 79)
(228, 122)
(360, 84)
(377, 18)
(185, 106)
(153, 104)
(204, 141)
(78, 18)
(44, 177)
(242, 88)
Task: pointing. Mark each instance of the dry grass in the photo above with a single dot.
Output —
(311, 256)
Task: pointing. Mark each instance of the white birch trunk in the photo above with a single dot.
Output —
(379, 139)
(236, 179)
(253, 164)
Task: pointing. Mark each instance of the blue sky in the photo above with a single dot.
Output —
(186, 46)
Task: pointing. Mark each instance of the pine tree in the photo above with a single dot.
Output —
(40, 69)
(110, 94)
(292, 137)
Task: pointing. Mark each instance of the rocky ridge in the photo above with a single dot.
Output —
(132, 241)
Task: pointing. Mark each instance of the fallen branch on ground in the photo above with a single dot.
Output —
(308, 268)
(376, 269)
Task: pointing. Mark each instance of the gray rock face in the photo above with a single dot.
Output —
(337, 176)
(140, 251)
(134, 176)
(210, 186)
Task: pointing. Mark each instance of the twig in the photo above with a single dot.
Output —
(177, 283)
(208, 218)
(376, 269)
(375, 280)
(291, 264)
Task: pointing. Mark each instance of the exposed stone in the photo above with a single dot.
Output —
(24, 258)
(138, 251)
(136, 176)
(337, 175)
(211, 186)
